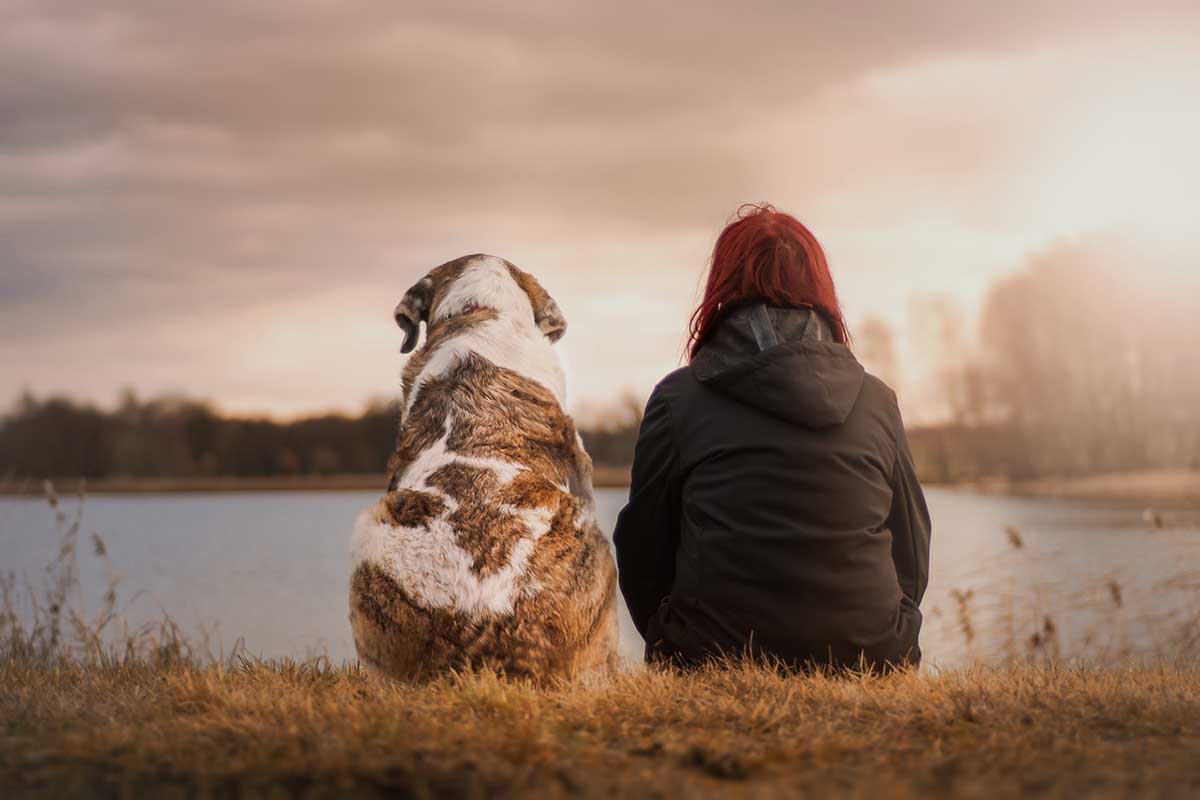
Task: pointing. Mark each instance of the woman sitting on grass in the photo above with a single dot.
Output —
(774, 510)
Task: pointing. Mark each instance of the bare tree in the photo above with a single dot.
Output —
(875, 346)
(942, 337)
(1084, 354)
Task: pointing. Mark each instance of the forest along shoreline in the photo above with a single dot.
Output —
(1151, 489)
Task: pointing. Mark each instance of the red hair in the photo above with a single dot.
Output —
(766, 255)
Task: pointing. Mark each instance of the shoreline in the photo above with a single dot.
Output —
(1147, 489)
(603, 478)
(1168, 489)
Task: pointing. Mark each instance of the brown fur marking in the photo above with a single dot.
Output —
(413, 508)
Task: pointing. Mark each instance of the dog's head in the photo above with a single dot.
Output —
(473, 282)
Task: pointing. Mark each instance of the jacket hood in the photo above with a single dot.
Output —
(783, 361)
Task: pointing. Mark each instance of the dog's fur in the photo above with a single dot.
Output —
(485, 550)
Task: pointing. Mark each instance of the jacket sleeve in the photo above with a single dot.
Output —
(910, 524)
(647, 530)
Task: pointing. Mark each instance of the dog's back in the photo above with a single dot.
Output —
(485, 549)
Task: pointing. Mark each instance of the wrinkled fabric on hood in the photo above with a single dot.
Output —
(783, 361)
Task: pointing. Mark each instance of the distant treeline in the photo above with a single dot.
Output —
(1084, 362)
(181, 438)
(184, 438)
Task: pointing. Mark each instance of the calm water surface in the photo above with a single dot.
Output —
(272, 568)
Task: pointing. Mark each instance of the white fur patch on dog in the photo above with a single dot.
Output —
(512, 341)
(428, 562)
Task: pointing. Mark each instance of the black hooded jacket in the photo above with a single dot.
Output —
(774, 508)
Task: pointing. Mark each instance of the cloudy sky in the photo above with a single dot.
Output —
(227, 199)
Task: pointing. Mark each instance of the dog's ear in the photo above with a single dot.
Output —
(546, 313)
(550, 319)
(412, 310)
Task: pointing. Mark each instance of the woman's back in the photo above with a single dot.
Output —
(784, 456)
(773, 506)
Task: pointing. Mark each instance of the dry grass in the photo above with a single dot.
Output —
(58, 627)
(149, 713)
(73, 730)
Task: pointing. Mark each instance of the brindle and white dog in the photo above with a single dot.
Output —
(485, 550)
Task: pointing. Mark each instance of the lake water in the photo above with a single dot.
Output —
(271, 569)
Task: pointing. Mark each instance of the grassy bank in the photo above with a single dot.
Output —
(310, 729)
(146, 712)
